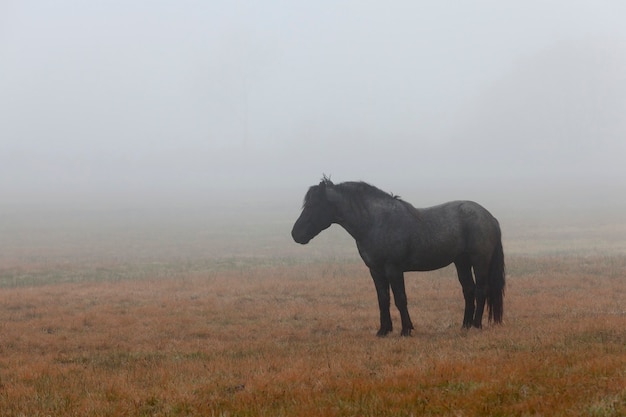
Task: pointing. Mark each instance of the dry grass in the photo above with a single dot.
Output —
(298, 339)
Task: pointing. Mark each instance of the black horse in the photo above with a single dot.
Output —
(392, 237)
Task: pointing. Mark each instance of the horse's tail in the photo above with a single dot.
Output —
(495, 292)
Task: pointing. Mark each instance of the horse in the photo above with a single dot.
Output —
(394, 237)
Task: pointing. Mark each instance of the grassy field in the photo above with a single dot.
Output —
(145, 318)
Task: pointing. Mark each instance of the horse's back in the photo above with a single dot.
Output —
(478, 228)
(460, 212)
(465, 225)
(422, 239)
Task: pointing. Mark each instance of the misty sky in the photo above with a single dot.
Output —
(134, 98)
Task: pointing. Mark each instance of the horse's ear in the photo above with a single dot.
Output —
(326, 180)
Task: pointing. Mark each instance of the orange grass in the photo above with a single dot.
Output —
(296, 340)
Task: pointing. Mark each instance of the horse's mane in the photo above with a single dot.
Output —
(359, 193)
(360, 190)
(356, 193)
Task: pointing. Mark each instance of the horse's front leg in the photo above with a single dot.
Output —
(396, 279)
(382, 290)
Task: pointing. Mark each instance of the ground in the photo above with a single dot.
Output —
(291, 331)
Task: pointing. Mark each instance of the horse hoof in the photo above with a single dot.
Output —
(383, 333)
(406, 333)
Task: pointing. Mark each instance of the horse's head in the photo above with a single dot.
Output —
(318, 213)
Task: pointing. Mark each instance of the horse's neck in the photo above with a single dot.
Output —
(355, 220)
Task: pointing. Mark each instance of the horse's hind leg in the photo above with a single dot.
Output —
(481, 271)
(464, 272)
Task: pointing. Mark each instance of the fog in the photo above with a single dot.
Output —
(125, 103)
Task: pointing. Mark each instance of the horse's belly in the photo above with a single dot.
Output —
(429, 265)
(405, 261)
(429, 258)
